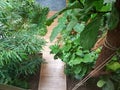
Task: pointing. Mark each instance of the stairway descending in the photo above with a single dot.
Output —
(52, 76)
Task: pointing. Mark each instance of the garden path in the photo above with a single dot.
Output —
(52, 76)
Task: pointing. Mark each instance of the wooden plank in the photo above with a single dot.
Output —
(9, 87)
(52, 75)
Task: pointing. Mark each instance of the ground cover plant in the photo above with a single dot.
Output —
(83, 22)
(22, 23)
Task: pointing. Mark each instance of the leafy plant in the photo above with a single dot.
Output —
(89, 12)
(22, 23)
(78, 62)
(81, 24)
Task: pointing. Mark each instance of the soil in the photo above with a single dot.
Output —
(90, 85)
(34, 81)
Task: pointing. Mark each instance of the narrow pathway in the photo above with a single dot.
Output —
(51, 76)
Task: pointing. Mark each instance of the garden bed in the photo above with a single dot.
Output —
(90, 85)
(33, 83)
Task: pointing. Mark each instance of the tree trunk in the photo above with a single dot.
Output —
(113, 38)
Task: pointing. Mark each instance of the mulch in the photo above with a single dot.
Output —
(90, 85)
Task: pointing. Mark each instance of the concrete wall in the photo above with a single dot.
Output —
(54, 5)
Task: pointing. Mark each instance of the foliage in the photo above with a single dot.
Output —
(78, 62)
(80, 26)
(89, 12)
(21, 23)
(101, 83)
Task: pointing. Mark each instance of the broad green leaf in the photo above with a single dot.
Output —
(56, 31)
(79, 52)
(66, 57)
(101, 83)
(51, 19)
(75, 61)
(109, 85)
(88, 58)
(113, 66)
(98, 50)
(90, 33)
(89, 2)
(88, 5)
(77, 69)
(109, 1)
(74, 5)
(67, 47)
(71, 24)
(114, 18)
(54, 49)
(84, 70)
(106, 8)
(62, 20)
(79, 27)
(98, 4)
(78, 77)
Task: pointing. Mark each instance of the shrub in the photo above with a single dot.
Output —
(22, 23)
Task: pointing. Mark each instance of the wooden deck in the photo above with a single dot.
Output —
(52, 75)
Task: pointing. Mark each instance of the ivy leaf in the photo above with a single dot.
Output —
(114, 18)
(90, 33)
(101, 83)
